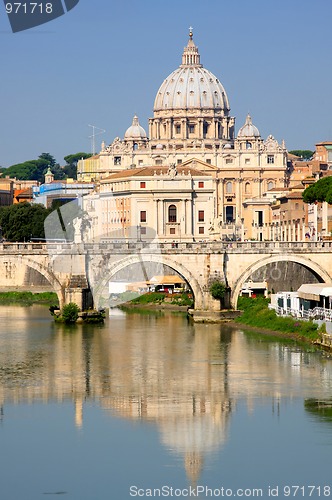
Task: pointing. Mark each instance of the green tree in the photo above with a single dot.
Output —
(24, 171)
(320, 191)
(22, 221)
(48, 159)
(70, 168)
(306, 154)
(35, 169)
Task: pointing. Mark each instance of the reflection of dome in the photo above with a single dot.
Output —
(191, 85)
(135, 131)
(248, 129)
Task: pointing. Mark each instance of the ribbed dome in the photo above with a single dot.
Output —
(135, 131)
(248, 129)
(191, 86)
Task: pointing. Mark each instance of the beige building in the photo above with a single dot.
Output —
(198, 174)
(323, 153)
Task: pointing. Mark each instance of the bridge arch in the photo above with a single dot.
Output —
(20, 260)
(158, 259)
(309, 264)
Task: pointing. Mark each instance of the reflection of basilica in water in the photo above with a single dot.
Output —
(185, 378)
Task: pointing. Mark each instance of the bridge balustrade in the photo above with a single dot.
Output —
(205, 247)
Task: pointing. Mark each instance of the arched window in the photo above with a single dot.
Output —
(172, 213)
(229, 187)
(270, 185)
(248, 145)
(247, 188)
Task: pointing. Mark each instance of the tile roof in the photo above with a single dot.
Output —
(151, 171)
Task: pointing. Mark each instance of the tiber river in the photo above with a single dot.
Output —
(154, 405)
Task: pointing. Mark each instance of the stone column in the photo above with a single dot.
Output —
(293, 231)
(298, 230)
(189, 218)
(156, 211)
(315, 227)
(184, 128)
(181, 219)
(215, 126)
(303, 230)
(325, 224)
(238, 200)
(168, 129)
(222, 199)
(160, 218)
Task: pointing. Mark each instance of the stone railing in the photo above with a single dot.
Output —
(169, 247)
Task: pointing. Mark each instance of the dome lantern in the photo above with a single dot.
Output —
(190, 56)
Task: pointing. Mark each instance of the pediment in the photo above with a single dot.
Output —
(197, 164)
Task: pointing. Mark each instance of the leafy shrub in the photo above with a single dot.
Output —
(70, 312)
(218, 289)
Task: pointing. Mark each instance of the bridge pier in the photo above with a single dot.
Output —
(79, 292)
(210, 310)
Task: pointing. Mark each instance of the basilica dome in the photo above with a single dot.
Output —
(191, 86)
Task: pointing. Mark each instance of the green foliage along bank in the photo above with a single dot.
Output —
(157, 298)
(28, 298)
(256, 313)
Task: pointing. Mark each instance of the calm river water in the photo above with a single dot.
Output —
(154, 402)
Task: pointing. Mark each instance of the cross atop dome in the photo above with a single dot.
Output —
(190, 56)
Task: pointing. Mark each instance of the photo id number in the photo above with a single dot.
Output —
(29, 8)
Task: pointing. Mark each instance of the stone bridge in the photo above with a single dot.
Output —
(74, 270)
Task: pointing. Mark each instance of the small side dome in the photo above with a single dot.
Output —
(248, 129)
(135, 131)
(159, 146)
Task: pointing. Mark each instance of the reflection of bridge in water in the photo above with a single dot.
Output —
(187, 380)
(72, 269)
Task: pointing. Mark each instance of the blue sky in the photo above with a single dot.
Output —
(104, 61)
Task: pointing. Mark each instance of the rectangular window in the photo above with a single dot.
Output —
(179, 162)
(200, 184)
(208, 161)
(230, 214)
(142, 184)
(270, 159)
(159, 162)
(143, 230)
(172, 230)
(260, 217)
(140, 162)
(201, 230)
(117, 160)
(178, 129)
(191, 129)
(229, 160)
(143, 216)
(200, 215)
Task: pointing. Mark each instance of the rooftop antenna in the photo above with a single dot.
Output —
(93, 137)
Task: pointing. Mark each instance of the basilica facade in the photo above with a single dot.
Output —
(192, 177)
